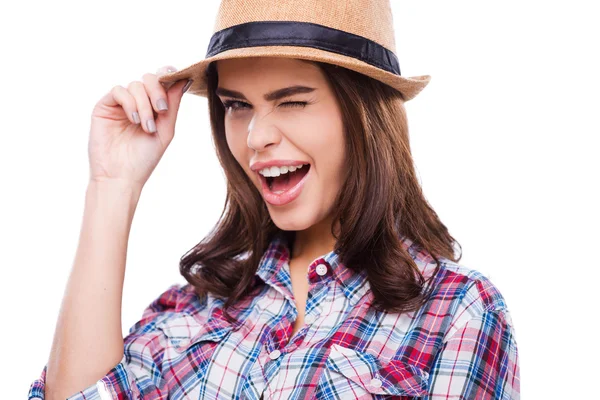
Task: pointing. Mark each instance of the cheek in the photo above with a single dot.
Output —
(328, 148)
(239, 150)
(332, 164)
(237, 145)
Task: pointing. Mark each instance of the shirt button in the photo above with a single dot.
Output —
(321, 269)
(274, 355)
(376, 383)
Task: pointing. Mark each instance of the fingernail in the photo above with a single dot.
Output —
(171, 69)
(136, 117)
(151, 125)
(187, 85)
(161, 104)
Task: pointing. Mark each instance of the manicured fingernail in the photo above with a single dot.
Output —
(187, 85)
(161, 104)
(136, 117)
(151, 125)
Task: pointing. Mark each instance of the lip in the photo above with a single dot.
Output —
(286, 197)
(257, 166)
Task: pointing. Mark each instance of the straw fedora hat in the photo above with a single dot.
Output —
(354, 34)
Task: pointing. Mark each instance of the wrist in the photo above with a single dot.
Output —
(115, 185)
(114, 192)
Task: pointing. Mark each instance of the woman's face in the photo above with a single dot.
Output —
(264, 130)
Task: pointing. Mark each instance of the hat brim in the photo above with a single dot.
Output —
(409, 87)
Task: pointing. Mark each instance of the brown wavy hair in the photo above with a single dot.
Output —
(380, 200)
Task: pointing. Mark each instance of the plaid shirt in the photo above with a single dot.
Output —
(460, 345)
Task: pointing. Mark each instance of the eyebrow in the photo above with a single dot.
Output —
(271, 96)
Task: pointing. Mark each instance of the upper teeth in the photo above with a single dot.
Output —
(276, 171)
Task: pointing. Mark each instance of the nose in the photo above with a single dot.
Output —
(262, 133)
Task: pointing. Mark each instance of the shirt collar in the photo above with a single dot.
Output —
(273, 268)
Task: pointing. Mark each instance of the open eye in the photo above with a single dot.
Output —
(235, 105)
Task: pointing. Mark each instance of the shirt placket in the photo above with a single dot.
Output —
(279, 342)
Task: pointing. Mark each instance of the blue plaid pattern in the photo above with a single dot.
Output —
(460, 345)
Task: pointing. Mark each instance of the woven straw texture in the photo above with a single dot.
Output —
(371, 19)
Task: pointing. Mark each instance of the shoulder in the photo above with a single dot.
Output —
(461, 294)
(176, 300)
(455, 282)
(469, 284)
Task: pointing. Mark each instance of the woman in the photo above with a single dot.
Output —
(328, 274)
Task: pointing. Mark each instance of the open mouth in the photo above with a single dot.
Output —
(284, 182)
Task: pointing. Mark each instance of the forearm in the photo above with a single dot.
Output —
(88, 338)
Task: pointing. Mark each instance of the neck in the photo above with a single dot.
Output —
(314, 241)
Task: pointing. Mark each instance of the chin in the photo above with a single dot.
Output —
(292, 220)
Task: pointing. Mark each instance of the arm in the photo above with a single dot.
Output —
(123, 152)
(89, 323)
(479, 361)
(139, 372)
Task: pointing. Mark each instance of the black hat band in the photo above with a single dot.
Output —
(306, 34)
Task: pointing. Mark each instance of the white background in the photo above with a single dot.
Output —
(505, 139)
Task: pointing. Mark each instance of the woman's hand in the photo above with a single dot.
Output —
(130, 131)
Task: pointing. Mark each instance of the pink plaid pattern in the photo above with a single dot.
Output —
(460, 345)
